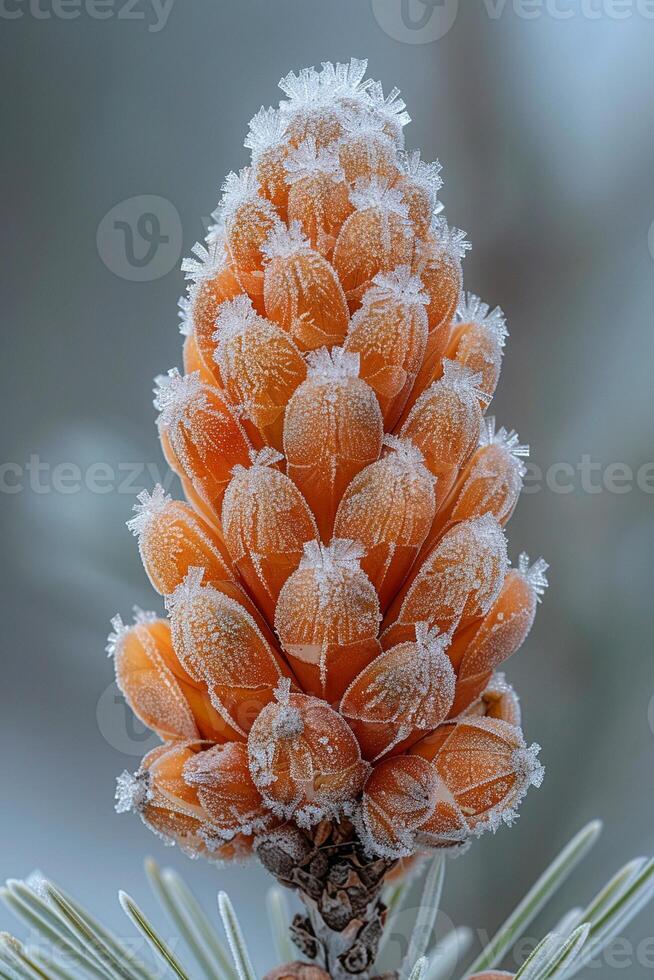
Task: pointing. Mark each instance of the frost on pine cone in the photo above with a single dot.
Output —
(338, 593)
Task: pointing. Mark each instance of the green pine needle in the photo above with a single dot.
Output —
(81, 947)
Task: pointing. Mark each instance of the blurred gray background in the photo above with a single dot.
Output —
(544, 124)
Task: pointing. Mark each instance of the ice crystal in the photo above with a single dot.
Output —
(131, 792)
(310, 88)
(461, 378)
(534, 573)
(185, 314)
(234, 317)
(173, 395)
(142, 617)
(408, 456)
(115, 637)
(507, 439)
(267, 129)
(399, 285)
(375, 192)
(236, 190)
(330, 559)
(308, 160)
(392, 107)
(421, 172)
(284, 241)
(119, 629)
(205, 261)
(288, 721)
(345, 79)
(472, 309)
(364, 124)
(148, 507)
(335, 365)
(187, 590)
(451, 240)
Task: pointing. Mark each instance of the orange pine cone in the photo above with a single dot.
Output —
(338, 592)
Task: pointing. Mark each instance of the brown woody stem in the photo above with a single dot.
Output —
(340, 887)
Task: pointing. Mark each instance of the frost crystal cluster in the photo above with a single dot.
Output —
(337, 586)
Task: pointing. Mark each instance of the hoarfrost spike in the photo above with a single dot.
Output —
(345, 78)
(234, 317)
(173, 393)
(399, 285)
(335, 365)
(431, 640)
(534, 573)
(283, 242)
(209, 259)
(288, 721)
(187, 590)
(365, 124)
(307, 160)
(423, 173)
(472, 309)
(392, 107)
(508, 439)
(185, 314)
(114, 638)
(148, 506)
(461, 378)
(265, 457)
(341, 553)
(302, 89)
(143, 617)
(309, 88)
(267, 129)
(408, 455)
(131, 793)
(236, 189)
(528, 765)
(375, 192)
(452, 240)
(140, 617)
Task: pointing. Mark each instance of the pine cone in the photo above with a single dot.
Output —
(337, 584)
